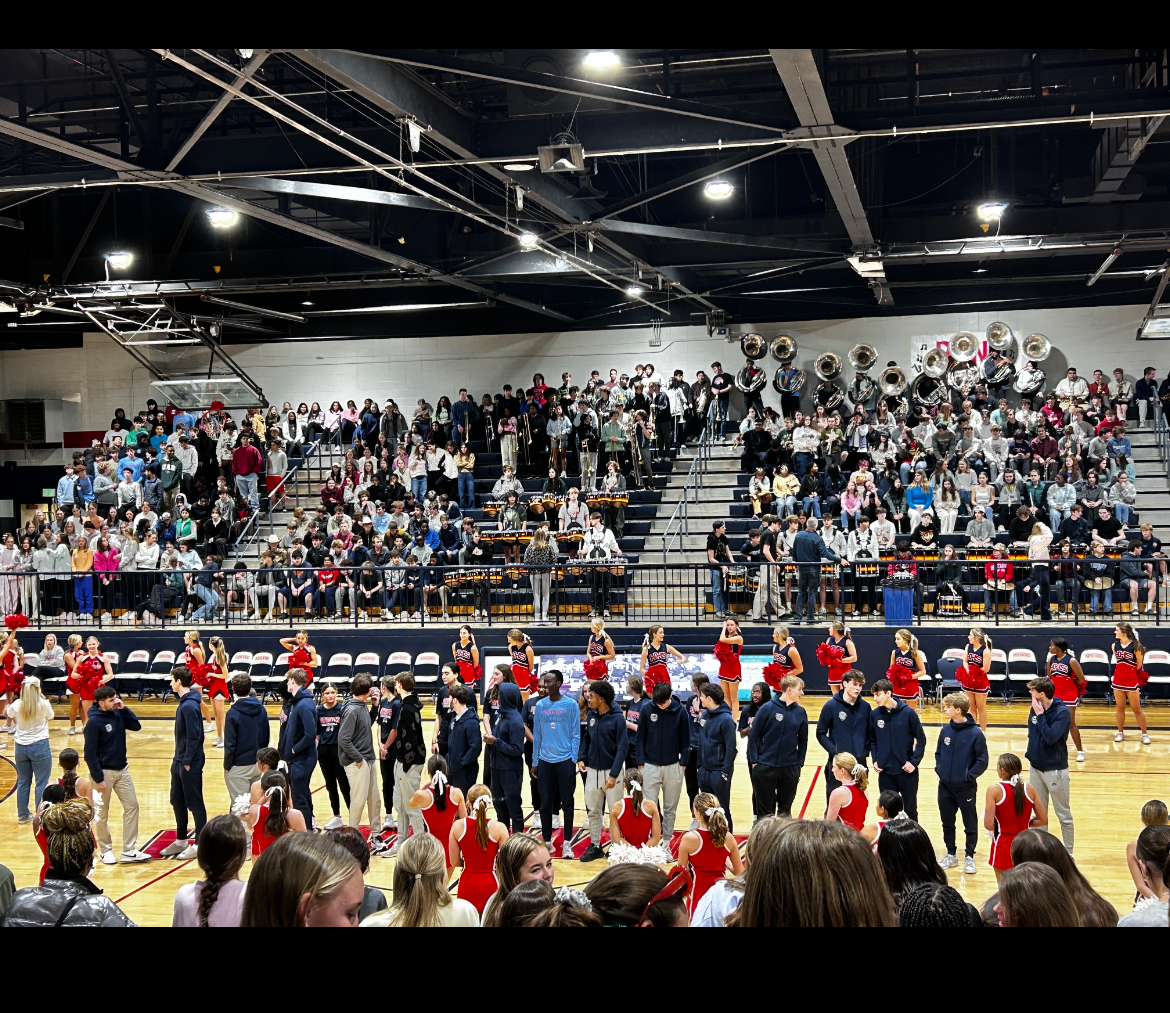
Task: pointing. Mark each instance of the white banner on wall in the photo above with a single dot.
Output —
(922, 343)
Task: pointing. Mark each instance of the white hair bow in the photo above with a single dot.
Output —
(711, 812)
(480, 803)
(635, 786)
(1014, 780)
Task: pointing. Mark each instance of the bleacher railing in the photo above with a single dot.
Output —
(288, 486)
(678, 524)
(631, 593)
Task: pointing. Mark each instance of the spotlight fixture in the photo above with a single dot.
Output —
(245, 54)
(633, 291)
(221, 218)
(118, 261)
(518, 167)
(991, 212)
(602, 59)
(308, 302)
(718, 189)
(528, 240)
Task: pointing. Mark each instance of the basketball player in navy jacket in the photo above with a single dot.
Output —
(717, 746)
(897, 744)
(843, 726)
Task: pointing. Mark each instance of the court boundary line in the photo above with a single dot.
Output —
(16, 776)
(812, 784)
(161, 875)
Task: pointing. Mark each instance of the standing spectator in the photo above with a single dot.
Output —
(779, 736)
(298, 742)
(464, 740)
(556, 739)
(245, 732)
(31, 714)
(410, 753)
(1047, 753)
(507, 740)
(187, 765)
(248, 466)
(105, 755)
(898, 744)
(717, 747)
(65, 486)
(601, 755)
(663, 750)
(843, 725)
(355, 752)
(171, 476)
(959, 758)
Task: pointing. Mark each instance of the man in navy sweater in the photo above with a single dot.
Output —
(843, 726)
(959, 758)
(663, 750)
(245, 731)
(897, 744)
(717, 746)
(809, 548)
(105, 754)
(464, 740)
(779, 737)
(1047, 753)
(187, 766)
(299, 746)
(601, 757)
(556, 740)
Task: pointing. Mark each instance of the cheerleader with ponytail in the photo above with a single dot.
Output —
(1069, 679)
(907, 663)
(838, 653)
(973, 675)
(785, 659)
(73, 654)
(272, 818)
(599, 653)
(441, 804)
(302, 654)
(1009, 808)
(635, 827)
(523, 660)
(267, 759)
(727, 651)
(466, 655)
(654, 657)
(1128, 679)
(196, 662)
(218, 690)
(847, 802)
(707, 850)
(472, 844)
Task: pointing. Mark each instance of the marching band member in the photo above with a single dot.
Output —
(599, 544)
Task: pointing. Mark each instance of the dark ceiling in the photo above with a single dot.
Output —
(335, 209)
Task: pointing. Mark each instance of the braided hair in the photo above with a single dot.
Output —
(223, 846)
(70, 842)
(933, 906)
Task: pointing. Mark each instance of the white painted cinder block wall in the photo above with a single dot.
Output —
(405, 369)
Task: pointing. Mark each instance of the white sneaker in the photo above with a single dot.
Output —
(209, 726)
(969, 866)
(567, 850)
(948, 862)
(219, 743)
(134, 856)
(1145, 740)
(556, 823)
(1080, 756)
(1119, 737)
(175, 848)
(190, 853)
(334, 823)
(107, 617)
(109, 859)
(72, 731)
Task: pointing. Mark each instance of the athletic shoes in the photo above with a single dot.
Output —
(556, 823)
(1080, 756)
(133, 856)
(334, 823)
(1119, 737)
(175, 848)
(109, 859)
(188, 854)
(219, 743)
(948, 862)
(592, 853)
(209, 726)
(72, 731)
(567, 850)
(969, 866)
(1145, 740)
(378, 847)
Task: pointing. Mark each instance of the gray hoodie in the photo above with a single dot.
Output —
(354, 741)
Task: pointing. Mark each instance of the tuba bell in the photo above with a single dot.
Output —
(934, 363)
(892, 381)
(783, 348)
(1036, 348)
(793, 386)
(753, 346)
(862, 357)
(828, 366)
(964, 346)
(1000, 336)
(962, 375)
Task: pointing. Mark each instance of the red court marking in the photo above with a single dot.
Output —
(816, 774)
(155, 880)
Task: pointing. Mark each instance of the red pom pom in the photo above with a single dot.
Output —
(16, 622)
(596, 668)
(773, 673)
(828, 655)
(724, 651)
(217, 406)
(893, 673)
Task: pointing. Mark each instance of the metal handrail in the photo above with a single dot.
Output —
(311, 451)
(693, 483)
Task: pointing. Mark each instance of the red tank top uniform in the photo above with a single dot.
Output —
(878, 835)
(1007, 825)
(1125, 670)
(903, 673)
(656, 670)
(197, 668)
(1060, 671)
(90, 671)
(853, 815)
(708, 864)
(466, 663)
(42, 839)
(215, 682)
(520, 667)
(837, 670)
(596, 667)
(477, 881)
(300, 658)
(260, 840)
(11, 677)
(73, 680)
(972, 677)
(634, 824)
(728, 655)
(439, 822)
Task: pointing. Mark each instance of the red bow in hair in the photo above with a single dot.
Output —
(596, 668)
(828, 655)
(773, 673)
(725, 651)
(16, 622)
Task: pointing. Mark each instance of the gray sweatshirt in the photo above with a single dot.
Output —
(354, 741)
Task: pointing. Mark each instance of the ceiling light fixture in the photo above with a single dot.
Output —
(518, 167)
(602, 59)
(221, 218)
(718, 189)
(118, 261)
(991, 212)
(528, 240)
(245, 54)
(634, 291)
(308, 302)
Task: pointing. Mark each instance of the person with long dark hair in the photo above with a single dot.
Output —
(216, 901)
(1151, 856)
(328, 723)
(1010, 807)
(907, 858)
(1040, 847)
(274, 816)
(1032, 896)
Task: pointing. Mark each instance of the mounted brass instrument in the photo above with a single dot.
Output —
(757, 383)
(1036, 347)
(1000, 336)
(828, 368)
(794, 385)
(892, 381)
(753, 346)
(964, 346)
(862, 358)
(962, 375)
(784, 348)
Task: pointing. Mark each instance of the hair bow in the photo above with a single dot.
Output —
(711, 812)
(573, 898)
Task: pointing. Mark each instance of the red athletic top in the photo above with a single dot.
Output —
(197, 668)
(708, 864)
(656, 670)
(300, 658)
(974, 676)
(853, 815)
(260, 840)
(477, 881)
(634, 824)
(73, 679)
(1007, 824)
(439, 822)
(729, 668)
(42, 839)
(1125, 671)
(1060, 671)
(89, 672)
(904, 674)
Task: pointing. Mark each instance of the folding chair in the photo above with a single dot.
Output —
(338, 672)
(426, 672)
(1157, 663)
(130, 678)
(998, 676)
(260, 672)
(368, 661)
(1095, 665)
(947, 681)
(399, 662)
(1021, 669)
(158, 677)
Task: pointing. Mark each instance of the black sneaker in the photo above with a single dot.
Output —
(592, 853)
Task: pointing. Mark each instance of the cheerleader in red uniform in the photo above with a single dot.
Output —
(786, 659)
(196, 661)
(218, 691)
(91, 671)
(847, 802)
(599, 653)
(707, 850)
(523, 661)
(74, 652)
(11, 671)
(1010, 807)
(441, 805)
(634, 820)
(302, 654)
(466, 655)
(888, 808)
(907, 663)
(727, 650)
(654, 657)
(1065, 671)
(1128, 679)
(473, 844)
(839, 637)
(973, 675)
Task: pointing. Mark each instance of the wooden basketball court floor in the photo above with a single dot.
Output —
(1108, 791)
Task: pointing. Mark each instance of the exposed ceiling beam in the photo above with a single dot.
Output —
(125, 98)
(726, 238)
(85, 235)
(360, 194)
(221, 104)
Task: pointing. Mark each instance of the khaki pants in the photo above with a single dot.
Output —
(1052, 788)
(363, 793)
(599, 800)
(118, 782)
(406, 783)
(239, 780)
(669, 781)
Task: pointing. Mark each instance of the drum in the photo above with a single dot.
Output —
(867, 568)
(1113, 552)
(593, 500)
(454, 578)
(552, 502)
(791, 571)
(830, 570)
(536, 505)
(575, 536)
(495, 577)
(576, 567)
(1017, 553)
(978, 556)
(736, 578)
(1000, 585)
(508, 537)
(600, 502)
(478, 575)
(950, 605)
(491, 507)
(620, 501)
(925, 555)
(515, 572)
(1099, 584)
(752, 585)
(525, 538)
(615, 571)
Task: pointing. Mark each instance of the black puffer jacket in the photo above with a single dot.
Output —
(71, 903)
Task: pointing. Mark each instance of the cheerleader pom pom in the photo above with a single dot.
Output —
(828, 655)
(893, 672)
(724, 651)
(773, 673)
(627, 854)
(240, 806)
(15, 622)
(595, 668)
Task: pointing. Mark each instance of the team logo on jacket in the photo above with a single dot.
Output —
(779, 717)
(592, 722)
(947, 741)
(653, 717)
(881, 723)
(110, 727)
(841, 716)
(1034, 719)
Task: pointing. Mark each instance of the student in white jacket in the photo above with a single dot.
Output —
(1037, 586)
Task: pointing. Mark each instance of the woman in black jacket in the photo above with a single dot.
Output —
(948, 577)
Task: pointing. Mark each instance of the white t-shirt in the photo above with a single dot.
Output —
(715, 905)
(459, 914)
(225, 912)
(31, 729)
